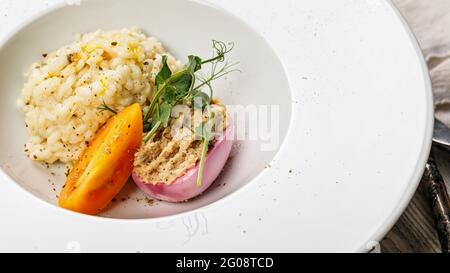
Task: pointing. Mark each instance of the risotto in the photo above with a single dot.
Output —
(63, 91)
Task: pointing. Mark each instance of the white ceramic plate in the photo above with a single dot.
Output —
(355, 129)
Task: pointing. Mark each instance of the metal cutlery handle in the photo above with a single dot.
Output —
(440, 202)
(441, 134)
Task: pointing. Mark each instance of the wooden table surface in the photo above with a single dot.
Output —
(415, 231)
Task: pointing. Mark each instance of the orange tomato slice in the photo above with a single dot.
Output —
(105, 166)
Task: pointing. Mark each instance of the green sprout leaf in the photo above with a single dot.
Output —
(195, 63)
(180, 86)
(164, 112)
(164, 74)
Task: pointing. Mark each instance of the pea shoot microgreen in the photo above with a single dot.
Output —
(172, 88)
(175, 88)
(180, 87)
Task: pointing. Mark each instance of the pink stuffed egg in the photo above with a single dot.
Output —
(185, 187)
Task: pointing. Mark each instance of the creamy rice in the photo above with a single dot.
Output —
(64, 89)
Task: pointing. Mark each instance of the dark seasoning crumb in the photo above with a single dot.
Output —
(69, 58)
(52, 185)
(150, 202)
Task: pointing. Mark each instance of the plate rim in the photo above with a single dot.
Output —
(384, 226)
(417, 174)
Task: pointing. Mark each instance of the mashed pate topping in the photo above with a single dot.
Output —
(176, 149)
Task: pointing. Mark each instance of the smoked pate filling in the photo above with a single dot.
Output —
(174, 150)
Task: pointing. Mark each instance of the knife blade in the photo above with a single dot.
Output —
(441, 134)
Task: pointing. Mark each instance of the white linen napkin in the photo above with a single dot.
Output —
(430, 21)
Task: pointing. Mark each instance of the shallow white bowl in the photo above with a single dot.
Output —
(355, 129)
(262, 73)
